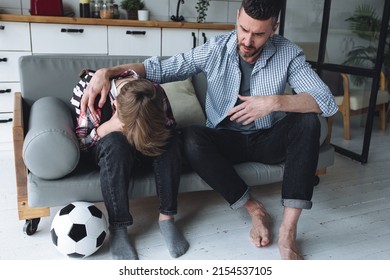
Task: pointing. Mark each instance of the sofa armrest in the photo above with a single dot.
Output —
(18, 138)
(24, 212)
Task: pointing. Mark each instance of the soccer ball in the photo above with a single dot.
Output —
(78, 230)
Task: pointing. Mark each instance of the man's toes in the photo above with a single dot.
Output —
(259, 239)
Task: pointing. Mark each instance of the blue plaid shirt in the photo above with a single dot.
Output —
(281, 63)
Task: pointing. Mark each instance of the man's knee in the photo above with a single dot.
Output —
(309, 124)
(311, 119)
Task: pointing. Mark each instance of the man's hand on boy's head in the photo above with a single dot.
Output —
(99, 84)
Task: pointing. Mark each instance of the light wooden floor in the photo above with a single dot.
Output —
(350, 219)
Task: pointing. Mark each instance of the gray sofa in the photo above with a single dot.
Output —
(49, 170)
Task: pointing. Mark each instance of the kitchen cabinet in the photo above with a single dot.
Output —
(145, 41)
(175, 41)
(14, 42)
(68, 39)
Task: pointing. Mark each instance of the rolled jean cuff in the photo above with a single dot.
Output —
(118, 225)
(168, 213)
(297, 203)
(241, 201)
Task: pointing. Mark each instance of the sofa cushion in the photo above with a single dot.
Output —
(50, 148)
(184, 103)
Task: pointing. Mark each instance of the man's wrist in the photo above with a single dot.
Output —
(277, 103)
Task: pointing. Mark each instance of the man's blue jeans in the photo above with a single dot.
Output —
(293, 140)
(118, 162)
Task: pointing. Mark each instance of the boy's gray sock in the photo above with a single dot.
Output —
(120, 246)
(175, 241)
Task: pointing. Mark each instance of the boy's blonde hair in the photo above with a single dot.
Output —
(141, 110)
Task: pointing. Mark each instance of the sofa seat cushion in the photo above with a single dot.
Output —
(50, 148)
(185, 105)
(83, 184)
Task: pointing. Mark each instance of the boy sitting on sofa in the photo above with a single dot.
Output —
(136, 127)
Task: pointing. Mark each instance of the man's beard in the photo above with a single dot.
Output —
(253, 51)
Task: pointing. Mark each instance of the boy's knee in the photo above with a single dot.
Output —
(191, 140)
(114, 143)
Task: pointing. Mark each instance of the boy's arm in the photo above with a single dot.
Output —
(86, 130)
(89, 130)
(87, 124)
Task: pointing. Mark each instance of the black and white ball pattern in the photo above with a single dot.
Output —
(78, 230)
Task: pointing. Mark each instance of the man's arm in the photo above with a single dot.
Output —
(254, 107)
(100, 84)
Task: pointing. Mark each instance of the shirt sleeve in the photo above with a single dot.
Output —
(86, 129)
(302, 78)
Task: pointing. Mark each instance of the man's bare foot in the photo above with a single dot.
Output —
(260, 232)
(287, 245)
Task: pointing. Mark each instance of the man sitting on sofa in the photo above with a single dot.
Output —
(249, 118)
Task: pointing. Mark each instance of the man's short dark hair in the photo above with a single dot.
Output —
(262, 9)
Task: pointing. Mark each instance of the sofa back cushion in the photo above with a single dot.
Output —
(184, 103)
(56, 75)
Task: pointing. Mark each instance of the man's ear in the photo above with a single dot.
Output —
(275, 27)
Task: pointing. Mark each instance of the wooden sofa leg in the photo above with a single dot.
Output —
(321, 171)
(31, 215)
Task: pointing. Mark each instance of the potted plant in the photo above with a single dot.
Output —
(132, 7)
(365, 23)
(202, 7)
